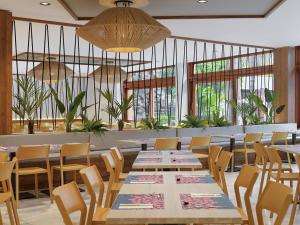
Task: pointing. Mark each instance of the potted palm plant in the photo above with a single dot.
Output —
(29, 101)
(69, 113)
(116, 109)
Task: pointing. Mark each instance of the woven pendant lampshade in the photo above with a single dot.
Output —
(109, 72)
(123, 29)
(55, 68)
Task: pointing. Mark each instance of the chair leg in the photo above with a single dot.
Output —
(246, 158)
(61, 177)
(295, 204)
(50, 185)
(17, 190)
(10, 212)
(1, 223)
(15, 210)
(262, 180)
(36, 184)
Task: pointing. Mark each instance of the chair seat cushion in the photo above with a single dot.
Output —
(70, 167)
(31, 170)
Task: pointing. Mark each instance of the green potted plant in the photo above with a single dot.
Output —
(31, 99)
(116, 109)
(218, 120)
(69, 113)
(151, 124)
(192, 121)
(92, 125)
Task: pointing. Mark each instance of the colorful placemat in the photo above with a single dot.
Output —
(148, 160)
(156, 179)
(184, 160)
(194, 179)
(213, 201)
(156, 201)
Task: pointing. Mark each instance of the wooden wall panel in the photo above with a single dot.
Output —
(5, 72)
(284, 74)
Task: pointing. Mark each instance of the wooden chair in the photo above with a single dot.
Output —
(200, 143)
(297, 193)
(220, 167)
(72, 150)
(114, 185)
(246, 179)
(68, 200)
(279, 175)
(275, 198)
(281, 137)
(214, 152)
(94, 184)
(3, 156)
(119, 162)
(262, 163)
(249, 140)
(166, 144)
(33, 152)
(7, 196)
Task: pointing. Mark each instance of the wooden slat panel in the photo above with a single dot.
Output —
(5, 72)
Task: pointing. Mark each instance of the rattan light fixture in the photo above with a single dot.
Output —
(50, 71)
(123, 29)
(111, 72)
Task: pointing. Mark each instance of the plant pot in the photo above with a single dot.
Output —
(31, 127)
(120, 125)
(68, 127)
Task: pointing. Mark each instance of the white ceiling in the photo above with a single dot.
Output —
(279, 29)
(91, 8)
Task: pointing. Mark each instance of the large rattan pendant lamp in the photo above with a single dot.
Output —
(123, 28)
(51, 72)
(109, 73)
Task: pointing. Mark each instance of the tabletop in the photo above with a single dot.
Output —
(166, 159)
(172, 198)
(293, 149)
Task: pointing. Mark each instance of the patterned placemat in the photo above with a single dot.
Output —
(219, 201)
(148, 160)
(184, 160)
(156, 179)
(155, 200)
(194, 179)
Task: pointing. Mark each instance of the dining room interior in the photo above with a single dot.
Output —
(149, 112)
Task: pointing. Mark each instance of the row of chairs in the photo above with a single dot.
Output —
(247, 179)
(42, 152)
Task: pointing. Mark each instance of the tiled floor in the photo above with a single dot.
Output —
(41, 212)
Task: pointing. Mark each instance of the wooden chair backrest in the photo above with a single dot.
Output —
(3, 156)
(94, 184)
(75, 149)
(166, 144)
(246, 179)
(6, 169)
(276, 198)
(251, 138)
(69, 200)
(33, 152)
(261, 154)
(279, 136)
(213, 155)
(200, 141)
(273, 156)
(119, 160)
(220, 167)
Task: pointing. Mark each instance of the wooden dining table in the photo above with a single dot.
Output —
(295, 150)
(166, 159)
(172, 198)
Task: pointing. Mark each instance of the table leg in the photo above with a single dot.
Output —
(231, 147)
(179, 145)
(144, 147)
(294, 138)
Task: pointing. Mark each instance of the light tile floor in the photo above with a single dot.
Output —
(41, 212)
